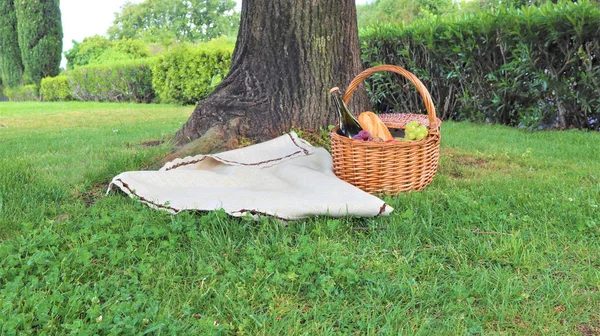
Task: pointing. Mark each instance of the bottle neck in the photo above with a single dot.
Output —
(337, 98)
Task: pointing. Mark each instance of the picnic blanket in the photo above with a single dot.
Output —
(285, 177)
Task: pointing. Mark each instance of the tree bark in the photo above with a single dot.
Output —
(288, 54)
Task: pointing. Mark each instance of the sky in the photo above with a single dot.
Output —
(84, 18)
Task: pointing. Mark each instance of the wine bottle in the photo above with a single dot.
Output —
(349, 126)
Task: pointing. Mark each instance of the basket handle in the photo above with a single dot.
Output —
(408, 75)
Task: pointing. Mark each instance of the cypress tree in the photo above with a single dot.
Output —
(11, 67)
(40, 38)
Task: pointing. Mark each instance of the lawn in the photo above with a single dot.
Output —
(505, 241)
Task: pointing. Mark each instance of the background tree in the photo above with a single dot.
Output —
(40, 38)
(287, 56)
(179, 20)
(11, 67)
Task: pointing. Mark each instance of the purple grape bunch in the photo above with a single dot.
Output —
(362, 135)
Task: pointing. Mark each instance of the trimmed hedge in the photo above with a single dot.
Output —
(184, 75)
(532, 67)
(56, 88)
(187, 74)
(22, 93)
(124, 81)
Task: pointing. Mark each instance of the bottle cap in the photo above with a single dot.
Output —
(334, 89)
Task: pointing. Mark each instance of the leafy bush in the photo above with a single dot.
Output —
(56, 88)
(112, 55)
(124, 81)
(387, 11)
(187, 74)
(99, 50)
(534, 67)
(184, 75)
(22, 93)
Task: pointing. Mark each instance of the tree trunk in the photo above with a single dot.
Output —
(288, 54)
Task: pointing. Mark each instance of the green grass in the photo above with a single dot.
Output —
(505, 241)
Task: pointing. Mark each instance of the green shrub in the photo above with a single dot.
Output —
(99, 50)
(188, 74)
(533, 67)
(123, 81)
(22, 93)
(56, 88)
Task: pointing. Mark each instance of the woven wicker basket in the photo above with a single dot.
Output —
(392, 167)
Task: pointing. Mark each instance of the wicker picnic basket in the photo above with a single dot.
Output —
(390, 167)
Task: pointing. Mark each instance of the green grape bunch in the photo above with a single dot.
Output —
(415, 131)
